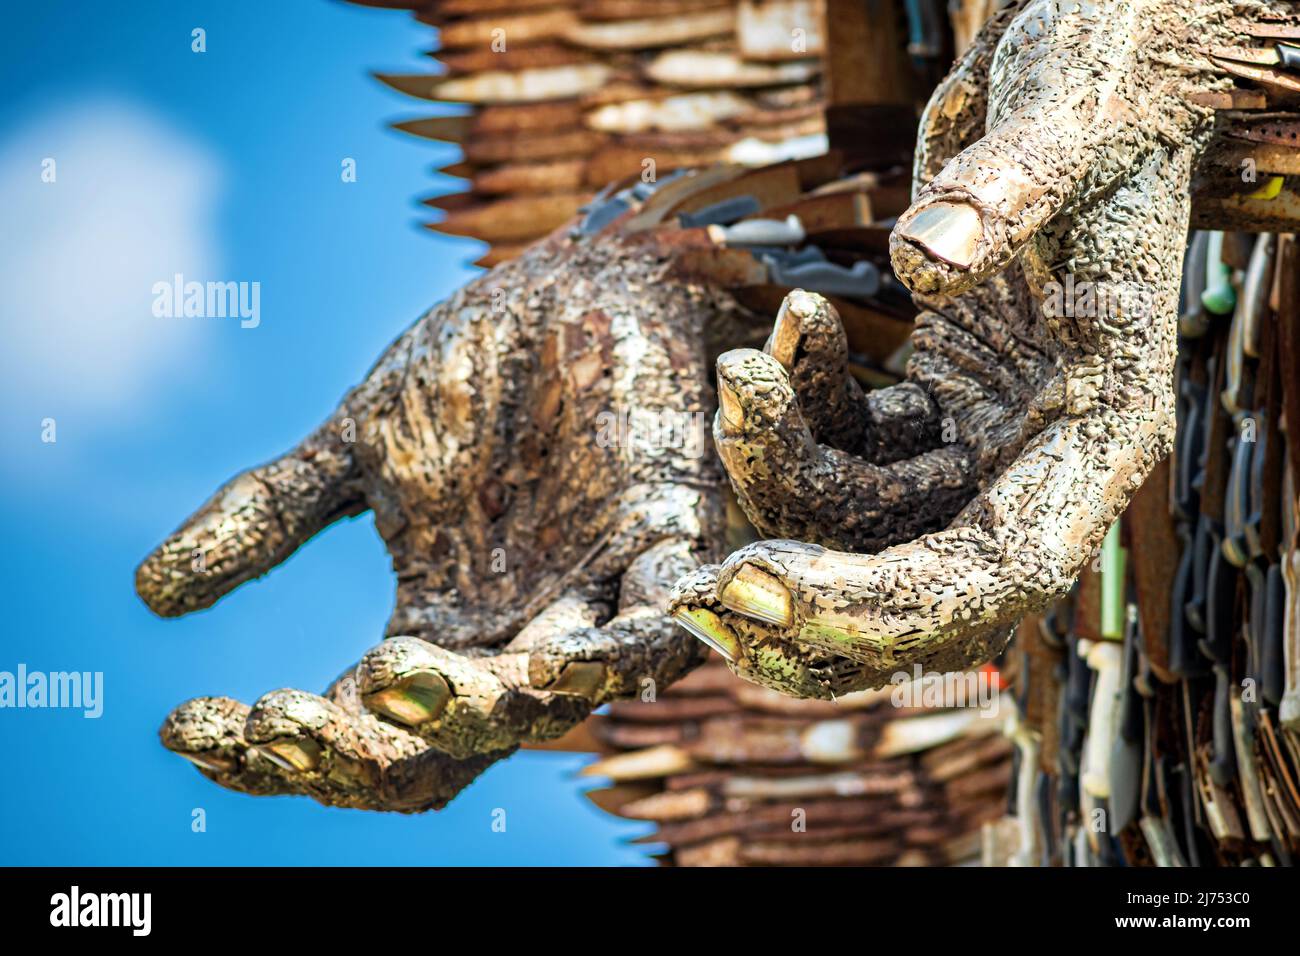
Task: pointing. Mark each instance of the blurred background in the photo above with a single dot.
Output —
(221, 165)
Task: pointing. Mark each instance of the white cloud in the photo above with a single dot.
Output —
(133, 204)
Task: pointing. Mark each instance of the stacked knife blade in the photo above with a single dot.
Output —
(1161, 703)
(733, 775)
(1249, 180)
(565, 96)
(758, 234)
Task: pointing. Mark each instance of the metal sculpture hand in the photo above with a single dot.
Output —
(534, 535)
(1045, 242)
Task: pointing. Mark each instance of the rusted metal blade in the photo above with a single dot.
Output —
(461, 170)
(1230, 99)
(1277, 132)
(1268, 78)
(709, 69)
(615, 799)
(879, 814)
(846, 210)
(512, 219)
(675, 29)
(579, 739)
(1261, 56)
(503, 86)
(447, 129)
(1263, 159)
(764, 30)
(772, 702)
(533, 146)
(444, 10)
(516, 25)
(668, 709)
(523, 117)
(499, 253)
(642, 764)
(1279, 214)
(421, 85)
(638, 9)
(915, 734)
(636, 736)
(1267, 31)
(671, 805)
(461, 63)
(560, 175)
(451, 202)
(879, 781)
(964, 756)
(834, 853)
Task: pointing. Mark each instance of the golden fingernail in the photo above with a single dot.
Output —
(947, 231)
(784, 341)
(733, 413)
(580, 678)
(210, 760)
(708, 627)
(292, 753)
(758, 594)
(413, 700)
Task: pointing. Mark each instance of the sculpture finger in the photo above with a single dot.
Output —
(884, 425)
(636, 652)
(209, 732)
(756, 651)
(462, 706)
(949, 600)
(572, 657)
(986, 203)
(809, 341)
(355, 759)
(252, 524)
(466, 706)
(787, 484)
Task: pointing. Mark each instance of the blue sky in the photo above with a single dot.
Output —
(221, 165)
